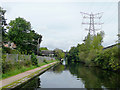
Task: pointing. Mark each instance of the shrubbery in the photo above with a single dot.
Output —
(59, 54)
(9, 50)
(34, 60)
(92, 54)
(6, 66)
(45, 61)
(11, 65)
(108, 59)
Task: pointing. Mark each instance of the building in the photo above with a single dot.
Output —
(10, 45)
(47, 53)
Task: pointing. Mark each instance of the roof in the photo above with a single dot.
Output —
(47, 52)
(110, 46)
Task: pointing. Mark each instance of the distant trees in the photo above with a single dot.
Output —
(59, 54)
(43, 48)
(92, 54)
(23, 36)
(86, 52)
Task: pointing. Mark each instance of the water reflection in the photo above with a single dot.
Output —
(59, 68)
(95, 77)
(75, 75)
(34, 83)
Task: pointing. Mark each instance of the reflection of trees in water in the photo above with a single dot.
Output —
(59, 68)
(39, 83)
(95, 77)
(34, 83)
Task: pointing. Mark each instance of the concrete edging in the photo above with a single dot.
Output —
(22, 81)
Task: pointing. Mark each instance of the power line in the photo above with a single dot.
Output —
(91, 22)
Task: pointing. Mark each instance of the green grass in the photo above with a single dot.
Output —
(23, 69)
(29, 76)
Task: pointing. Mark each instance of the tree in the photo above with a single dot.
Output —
(88, 40)
(23, 36)
(2, 25)
(59, 54)
(73, 54)
(97, 41)
(94, 42)
(35, 43)
(86, 52)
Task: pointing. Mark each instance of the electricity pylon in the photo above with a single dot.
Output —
(92, 21)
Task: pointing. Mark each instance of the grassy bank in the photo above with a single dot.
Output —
(23, 69)
(22, 81)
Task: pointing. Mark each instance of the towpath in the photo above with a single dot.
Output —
(12, 79)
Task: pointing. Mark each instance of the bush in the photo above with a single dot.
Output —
(14, 52)
(27, 62)
(108, 59)
(18, 65)
(6, 66)
(45, 61)
(9, 50)
(6, 50)
(34, 60)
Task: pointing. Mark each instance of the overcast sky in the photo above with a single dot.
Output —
(60, 22)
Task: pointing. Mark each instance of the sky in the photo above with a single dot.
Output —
(59, 21)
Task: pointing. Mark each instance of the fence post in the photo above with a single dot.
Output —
(6, 58)
(17, 57)
(30, 57)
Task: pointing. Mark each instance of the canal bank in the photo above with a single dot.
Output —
(75, 75)
(17, 80)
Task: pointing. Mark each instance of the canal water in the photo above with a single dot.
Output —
(75, 76)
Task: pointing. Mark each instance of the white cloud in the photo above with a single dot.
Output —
(59, 1)
(60, 23)
(109, 40)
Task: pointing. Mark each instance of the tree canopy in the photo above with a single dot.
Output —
(2, 25)
(86, 51)
(59, 54)
(23, 36)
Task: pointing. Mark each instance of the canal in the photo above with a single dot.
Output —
(75, 76)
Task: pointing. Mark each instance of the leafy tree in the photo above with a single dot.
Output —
(94, 42)
(2, 25)
(88, 41)
(59, 53)
(73, 54)
(108, 59)
(34, 44)
(97, 40)
(86, 52)
(21, 34)
(34, 60)
(19, 31)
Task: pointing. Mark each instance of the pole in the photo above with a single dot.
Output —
(92, 22)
